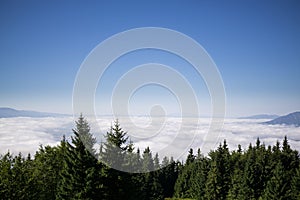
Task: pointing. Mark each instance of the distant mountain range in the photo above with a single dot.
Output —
(290, 119)
(262, 116)
(9, 112)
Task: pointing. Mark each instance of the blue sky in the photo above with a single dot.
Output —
(255, 44)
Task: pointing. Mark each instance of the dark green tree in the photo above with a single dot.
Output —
(295, 185)
(219, 174)
(277, 187)
(213, 189)
(237, 190)
(190, 158)
(116, 157)
(115, 147)
(81, 174)
(151, 186)
(6, 178)
(183, 183)
(200, 169)
(168, 176)
(48, 163)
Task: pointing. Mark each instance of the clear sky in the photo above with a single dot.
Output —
(255, 44)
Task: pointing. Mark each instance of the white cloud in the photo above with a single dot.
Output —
(170, 136)
(24, 134)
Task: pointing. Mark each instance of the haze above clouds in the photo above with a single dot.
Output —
(167, 136)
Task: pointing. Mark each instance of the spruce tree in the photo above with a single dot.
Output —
(183, 183)
(156, 162)
(6, 179)
(115, 147)
(80, 176)
(277, 187)
(151, 187)
(190, 158)
(295, 186)
(219, 173)
(200, 169)
(47, 166)
(113, 155)
(212, 188)
(168, 176)
(237, 190)
(148, 164)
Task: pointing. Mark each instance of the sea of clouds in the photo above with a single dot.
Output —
(170, 136)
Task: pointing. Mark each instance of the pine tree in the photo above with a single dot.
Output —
(295, 185)
(156, 162)
(252, 175)
(150, 184)
(80, 174)
(148, 164)
(212, 188)
(236, 190)
(131, 159)
(168, 176)
(219, 173)
(6, 179)
(183, 183)
(190, 157)
(115, 147)
(83, 128)
(200, 169)
(115, 150)
(277, 186)
(47, 167)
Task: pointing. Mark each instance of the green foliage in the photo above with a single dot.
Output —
(295, 185)
(71, 171)
(16, 177)
(252, 174)
(168, 176)
(47, 166)
(277, 187)
(115, 147)
(81, 174)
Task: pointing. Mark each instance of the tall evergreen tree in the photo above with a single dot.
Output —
(219, 173)
(277, 187)
(80, 174)
(237, 190)
(156, 162)
(47, 166)
(148, 164)
(6, 179)
(295, 185)
(212, 188)
(190, 158)
(85, 136)
(114, 153)
(115, 146)
(183, 183)
(151, 187)
(168, 176)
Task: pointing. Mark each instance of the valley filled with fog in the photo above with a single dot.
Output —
(170, 136)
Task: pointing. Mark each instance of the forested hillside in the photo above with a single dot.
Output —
(71, 170)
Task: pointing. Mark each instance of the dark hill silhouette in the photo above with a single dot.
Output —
(290, 119)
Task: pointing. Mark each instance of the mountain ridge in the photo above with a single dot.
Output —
(260, 116)
(6, 112)
(289, 119)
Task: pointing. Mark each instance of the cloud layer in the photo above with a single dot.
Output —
(25, 134)
(167, 136)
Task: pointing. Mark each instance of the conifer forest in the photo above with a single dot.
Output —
(72, 170)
